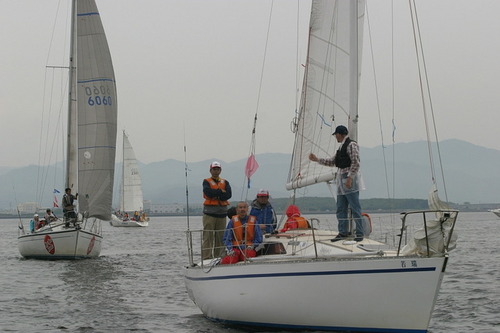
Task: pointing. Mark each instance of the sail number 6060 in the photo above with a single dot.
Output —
(98, 95)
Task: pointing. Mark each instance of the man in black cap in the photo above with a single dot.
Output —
(68, 206)
(347, 160)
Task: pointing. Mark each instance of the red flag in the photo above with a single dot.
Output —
(251, 166)
(56, 204)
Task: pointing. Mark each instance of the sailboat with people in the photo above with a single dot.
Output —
(301, 278)
(131, 213)
(91, 146)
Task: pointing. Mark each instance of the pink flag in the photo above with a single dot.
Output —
(56, 204)
(251, 167)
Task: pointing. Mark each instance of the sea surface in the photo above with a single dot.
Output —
(136, 285)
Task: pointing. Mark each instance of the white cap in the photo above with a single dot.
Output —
(36, 215)
(263, 193)
(215, 164)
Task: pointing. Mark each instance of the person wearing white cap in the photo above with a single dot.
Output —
(37, 222)
(216, 192)
(34, 222)
(264, 212)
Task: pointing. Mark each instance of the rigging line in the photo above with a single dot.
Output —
(253, 142)
(297, 57)
(186, 179)
(431, 107)
(378, 101)
(44, 161)
(415, 36)
(393, 85)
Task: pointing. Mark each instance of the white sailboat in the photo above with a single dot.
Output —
(302, 280)
(91, 146)
(131, 198)
(495, 211)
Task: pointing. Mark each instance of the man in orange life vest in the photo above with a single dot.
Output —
(216, 192)
(242, 235)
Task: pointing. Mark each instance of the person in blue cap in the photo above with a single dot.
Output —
(346, 159)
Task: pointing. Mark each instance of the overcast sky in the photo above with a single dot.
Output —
(189, 72)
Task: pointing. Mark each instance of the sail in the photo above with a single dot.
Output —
(131, 180)
(96, 113)
(330, 88)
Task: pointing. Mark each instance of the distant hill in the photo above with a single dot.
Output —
(471, 176)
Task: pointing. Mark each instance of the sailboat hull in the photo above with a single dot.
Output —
(60, 243)
(496, 211)
(117, 222)
(362, 294)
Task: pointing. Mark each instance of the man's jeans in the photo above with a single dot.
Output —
(343, 203)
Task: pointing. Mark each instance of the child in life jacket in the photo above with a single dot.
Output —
(294, 221)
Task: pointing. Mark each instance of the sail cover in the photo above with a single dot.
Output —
(330, 88)
(132, 197)
(97, 113)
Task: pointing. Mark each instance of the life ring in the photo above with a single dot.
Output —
(369, 223)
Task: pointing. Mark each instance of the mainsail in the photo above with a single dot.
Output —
(330, 88)
(132, 198)
(96, 113)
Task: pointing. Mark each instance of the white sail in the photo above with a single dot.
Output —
(132, 198)
(330, 89)
(97, 114)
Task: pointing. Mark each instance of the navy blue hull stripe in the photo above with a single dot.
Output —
(349, 272)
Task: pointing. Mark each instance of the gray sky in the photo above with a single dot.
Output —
(189, 72)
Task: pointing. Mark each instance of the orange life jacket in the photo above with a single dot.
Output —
(215, 185)
(301, 222)
(295, 222)
(238, 231)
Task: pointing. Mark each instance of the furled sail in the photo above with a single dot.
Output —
(96, 113)
(330, 88)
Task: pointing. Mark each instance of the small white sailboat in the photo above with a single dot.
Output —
(91, 146)
(495, 211)
(300, 278)
(131, 212)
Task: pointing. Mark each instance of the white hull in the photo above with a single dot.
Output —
(59, 242)
(369, 294)
(496, 211)
(117, 222)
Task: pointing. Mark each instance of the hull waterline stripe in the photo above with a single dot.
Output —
(350, 272)
(321, 328)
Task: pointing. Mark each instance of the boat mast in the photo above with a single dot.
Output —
(71, 149)
(122, 203)
(354, 69)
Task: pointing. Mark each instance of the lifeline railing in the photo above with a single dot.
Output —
(445, 219)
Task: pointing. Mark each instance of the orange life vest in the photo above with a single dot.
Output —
(301, 222)
(249, 234)
(215, 185)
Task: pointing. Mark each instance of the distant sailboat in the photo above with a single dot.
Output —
(300, 278)
(91, 146)
(495, 211)
(131, 199)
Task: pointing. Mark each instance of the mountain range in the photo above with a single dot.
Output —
(471, 175)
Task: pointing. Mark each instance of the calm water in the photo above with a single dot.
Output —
(137, 285)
